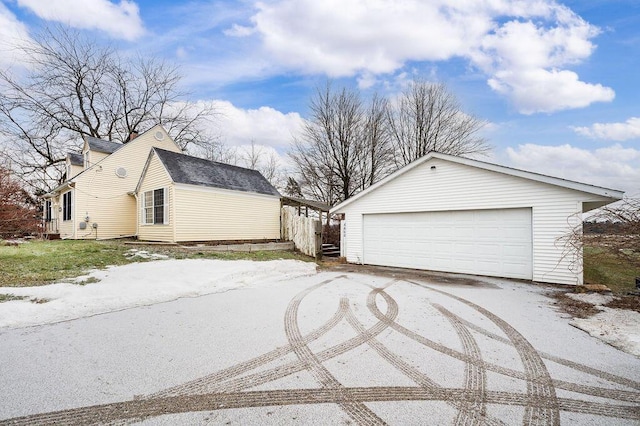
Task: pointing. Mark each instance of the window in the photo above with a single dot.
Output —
(66, 206)
(47, 211)
(154, 207)
(86, 160)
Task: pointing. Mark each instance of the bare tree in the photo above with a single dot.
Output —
(271, 169)
(292, 188)
(348, 145)
(427, 117)
(376, 160)
(609, 232)
(328, 153)
(73, 87)
(251, 156)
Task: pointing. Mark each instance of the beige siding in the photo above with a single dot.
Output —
(96, 157)
(453, 186)
(156, 177)
(103, 196)
(206, 214)
(75, 170)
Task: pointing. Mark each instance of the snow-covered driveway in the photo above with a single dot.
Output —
(296, 347)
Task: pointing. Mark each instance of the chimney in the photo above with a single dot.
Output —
(132, 135)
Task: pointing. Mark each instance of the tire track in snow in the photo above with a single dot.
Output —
(231, 389)
(146, 408)
(539, 383)
(359, 412)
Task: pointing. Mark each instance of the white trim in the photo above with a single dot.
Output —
(143, 174)
(71, 205)
(577, 186)
(165, 206)
(199, 188)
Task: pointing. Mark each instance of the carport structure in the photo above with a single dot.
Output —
(454, 214)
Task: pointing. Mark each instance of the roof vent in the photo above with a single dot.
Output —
(159, 135)
(121, 172)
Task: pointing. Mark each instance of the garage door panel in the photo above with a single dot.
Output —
(484, 242)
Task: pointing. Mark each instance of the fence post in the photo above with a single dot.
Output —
(318, 239)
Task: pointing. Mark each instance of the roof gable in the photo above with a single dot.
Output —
(75, 159)
(119, 150)
(611, 194)
(197, 171)
(99, 145)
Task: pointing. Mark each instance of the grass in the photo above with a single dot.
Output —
(254, 255)
(9, 297)
(43, 262)
(615, 270)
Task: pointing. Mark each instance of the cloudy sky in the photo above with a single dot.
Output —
(556, 81)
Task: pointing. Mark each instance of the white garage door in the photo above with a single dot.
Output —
(481, 242)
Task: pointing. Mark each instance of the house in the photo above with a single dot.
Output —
(453, 214)
(74, 165)
(109, 185)
(184, 198)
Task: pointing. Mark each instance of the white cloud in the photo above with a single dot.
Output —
(239, 31)
(522, 46)
(121, 20)
(630, 129)
(613, 167)
(343, 38)
(13, 34)
(265, 125)
(539, 90)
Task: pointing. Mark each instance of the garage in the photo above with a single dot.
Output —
(483, 242)
(454, 214)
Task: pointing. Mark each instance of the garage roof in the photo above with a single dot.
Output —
(565, 183)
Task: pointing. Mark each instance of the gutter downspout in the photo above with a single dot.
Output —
(135, 195)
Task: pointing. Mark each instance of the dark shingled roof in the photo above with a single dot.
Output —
(99, 145)
(197, 171)
(75, 159)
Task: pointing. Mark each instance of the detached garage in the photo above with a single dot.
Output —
(452, 214)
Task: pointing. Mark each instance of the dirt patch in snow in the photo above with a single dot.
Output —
(629, 302)
(410, 274)
(611, 318)
(574, 307)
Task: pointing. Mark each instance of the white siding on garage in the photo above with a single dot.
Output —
(442, 185)
(485, 242)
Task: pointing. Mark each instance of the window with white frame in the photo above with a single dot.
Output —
(86, 160)
(47, 211)
(66, 206)
(155, 207)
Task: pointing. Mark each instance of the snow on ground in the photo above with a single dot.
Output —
(138, 284)
(144, 254)
(618, 327)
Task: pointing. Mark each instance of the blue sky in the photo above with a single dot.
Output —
(557, 82)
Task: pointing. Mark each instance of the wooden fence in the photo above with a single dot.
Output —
(305, 232)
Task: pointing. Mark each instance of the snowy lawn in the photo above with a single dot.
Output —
(30, 263)
(137, 284)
